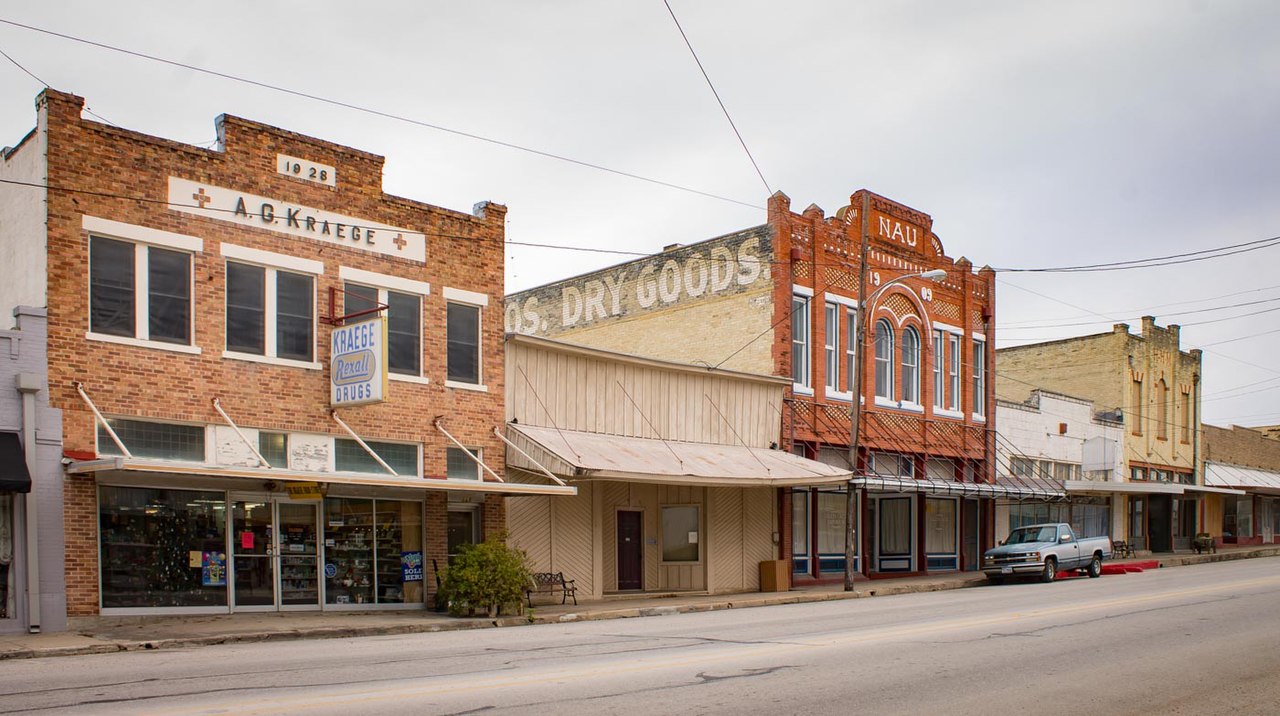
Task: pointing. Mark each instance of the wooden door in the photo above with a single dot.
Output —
(630, 550)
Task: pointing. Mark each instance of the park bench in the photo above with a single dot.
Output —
(1121, 549)
(550, 583)
(1204, 543)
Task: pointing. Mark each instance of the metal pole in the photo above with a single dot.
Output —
(855, 419)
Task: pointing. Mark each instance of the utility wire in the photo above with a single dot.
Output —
(48, 86)
(1148, 309)
(717, 96)
(1168, 260)
(379, 113)
(1166, 316)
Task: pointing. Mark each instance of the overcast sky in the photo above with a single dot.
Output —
(1035, 133)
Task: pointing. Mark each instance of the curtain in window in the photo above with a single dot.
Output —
(895, 526)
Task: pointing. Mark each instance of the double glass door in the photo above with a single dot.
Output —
(275, 555)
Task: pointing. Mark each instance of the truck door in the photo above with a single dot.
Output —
(1068, 548)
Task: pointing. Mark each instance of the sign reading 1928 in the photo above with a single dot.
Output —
(306, 169)
(358, 363)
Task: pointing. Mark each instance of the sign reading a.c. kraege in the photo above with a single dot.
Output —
(358, 363)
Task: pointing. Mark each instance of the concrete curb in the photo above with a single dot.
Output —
(866, 590)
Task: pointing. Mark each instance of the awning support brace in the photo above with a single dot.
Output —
(550, 475)
(217, 405)
(101, 420)
(377, 458)
(465, 449)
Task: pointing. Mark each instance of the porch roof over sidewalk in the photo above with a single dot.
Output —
(576, 454)
(1217, 474)
(1006, 487)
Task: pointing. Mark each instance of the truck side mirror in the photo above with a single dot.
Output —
(1064, 538)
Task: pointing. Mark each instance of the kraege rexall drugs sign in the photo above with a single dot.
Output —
(358, 363)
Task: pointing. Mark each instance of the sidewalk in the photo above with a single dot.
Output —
(99, 635)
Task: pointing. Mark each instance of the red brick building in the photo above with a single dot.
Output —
(782, 299)
(219, 457)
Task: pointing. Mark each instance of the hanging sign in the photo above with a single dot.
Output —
(304, 490)
(358, 363)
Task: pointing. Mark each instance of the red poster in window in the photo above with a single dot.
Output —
(246, 540)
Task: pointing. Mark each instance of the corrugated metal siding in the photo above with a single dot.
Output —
(572, 538)
(529, 528)
(724, 538)
(759, 521)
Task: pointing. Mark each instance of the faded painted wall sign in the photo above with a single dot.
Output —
(701, 271)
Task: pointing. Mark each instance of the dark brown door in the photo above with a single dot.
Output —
(630, 550)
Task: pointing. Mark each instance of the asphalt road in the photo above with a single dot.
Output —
(1193, 640)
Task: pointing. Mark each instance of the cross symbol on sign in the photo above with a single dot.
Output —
(201, 197)
(400, 242)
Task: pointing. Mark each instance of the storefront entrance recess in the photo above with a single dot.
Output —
(275, 558)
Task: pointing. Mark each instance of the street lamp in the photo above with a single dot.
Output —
(855, 422)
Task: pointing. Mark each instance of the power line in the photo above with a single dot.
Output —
(1149, 309)
(1167, 260)
(379, 113)
(1166, 316)
(724, 109)
(47, 85)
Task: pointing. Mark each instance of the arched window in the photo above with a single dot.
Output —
(910, 366)
(884, 359)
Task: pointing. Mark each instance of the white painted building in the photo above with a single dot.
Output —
(1060, 438)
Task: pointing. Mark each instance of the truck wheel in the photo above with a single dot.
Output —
(1095, 567)
(1050, 570)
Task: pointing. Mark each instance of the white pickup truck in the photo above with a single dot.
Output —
(1045, 550)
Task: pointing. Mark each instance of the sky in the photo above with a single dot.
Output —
(1036, 134)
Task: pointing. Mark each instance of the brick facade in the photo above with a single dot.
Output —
(108, 173)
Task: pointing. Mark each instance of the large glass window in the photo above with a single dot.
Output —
(884, 360)
(164, 441)
(832, 510)
(979, 378)
(680, 532)
(373, 551)
(274, 448)
(831, 346)
(270, 312)
(941, 532)
(800, 341)
(404, 324)
(162, 548)
(463, 349)
(910, 366)
(887, 464)
(120, 272)
(800, 530)
(350, 457)
(895, 526)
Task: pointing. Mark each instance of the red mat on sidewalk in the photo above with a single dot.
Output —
(1126, 568)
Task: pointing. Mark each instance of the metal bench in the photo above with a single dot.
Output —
(1204, 543)
(550, 583)
(1120, 549)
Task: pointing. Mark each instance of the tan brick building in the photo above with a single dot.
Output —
(1154, 386)
(260, 358)
(782, 299)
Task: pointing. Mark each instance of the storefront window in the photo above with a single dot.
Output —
(162, 548)
(373, 551)
(940, 532)
(800, 530)
(832, 507)
(680, 533)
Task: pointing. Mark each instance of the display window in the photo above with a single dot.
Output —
(373, 551)
(162, 548)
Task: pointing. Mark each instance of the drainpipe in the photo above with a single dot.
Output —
(28, 384)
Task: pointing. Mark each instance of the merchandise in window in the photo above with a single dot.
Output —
(463, 350)
(162, 548)
(373, 551)
(119, 270)
(276, 323)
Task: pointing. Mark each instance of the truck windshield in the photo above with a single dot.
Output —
(1025, 535)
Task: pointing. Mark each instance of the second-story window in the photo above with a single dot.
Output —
(979, 378)
(831, 345)
(884, 359)
(463, 329)
(404, 323)
(1162, 410)
(939, 370)
(270, 312)
(953, 370)
(1135, 406)
(851, 347)
(139, 291)
(910, 366)
(800, 341)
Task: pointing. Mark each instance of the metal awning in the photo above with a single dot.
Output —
(1214, 490)
(1160, 488)
(1005, 487)
(1248, 479)
(121, 465)
(14, 476)
(577, 455)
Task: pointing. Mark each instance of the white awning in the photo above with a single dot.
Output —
(1159, 488)
(122, 465)
(577, 455)
(1005, 487)
(1217, 474)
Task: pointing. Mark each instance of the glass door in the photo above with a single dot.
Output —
(253, 555)
(274, 555)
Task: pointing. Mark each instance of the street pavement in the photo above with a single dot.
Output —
(1198, 639)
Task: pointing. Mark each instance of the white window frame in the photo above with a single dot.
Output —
(383, 283)
(478, 452)
(979, 378)
(333, 456)
(939, 378)
(911, 372)
(143, 238)
(481, 302)
(803, 386)
(888, 361)
(831, 346)
(955, 345)
(272, 263)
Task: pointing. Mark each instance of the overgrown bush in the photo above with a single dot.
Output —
(486, 576)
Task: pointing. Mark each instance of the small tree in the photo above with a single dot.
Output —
(490, 575)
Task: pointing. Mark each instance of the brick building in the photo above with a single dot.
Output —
(782, 299)
(262, 362)
(1154, 386)
(1246, 460)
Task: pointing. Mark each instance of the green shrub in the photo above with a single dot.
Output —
(486, 576)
